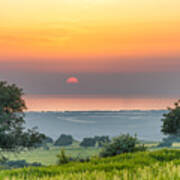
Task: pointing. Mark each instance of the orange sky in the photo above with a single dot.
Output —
(86, 103)
(83, 30)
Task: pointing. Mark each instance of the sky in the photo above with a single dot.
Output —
(113, 47)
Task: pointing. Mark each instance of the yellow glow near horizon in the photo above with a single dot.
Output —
(84, 28)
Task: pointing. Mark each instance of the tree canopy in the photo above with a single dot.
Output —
(171, 120)
(122, 144)
(93, 141)
(12, 131)
(64, 140)
(88, 142)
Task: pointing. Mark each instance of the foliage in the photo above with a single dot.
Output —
(101, 140)
(62, 158)
(64, 140)
(159, 165)
(171, 120)
(31, 138)
(47, 140)
(92, 141)
(17, 164)
(168, 141)
(12, 105)
(122, 144)
(88, 142)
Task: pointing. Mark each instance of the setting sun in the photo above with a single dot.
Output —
(72, 80)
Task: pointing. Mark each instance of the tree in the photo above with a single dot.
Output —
(171, 121)
(88, 142)
(122, 144)
(64, 140)
(47, 140)
(93, 141)
(12, 131)
(101, 140)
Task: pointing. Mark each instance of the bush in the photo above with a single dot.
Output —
(17, 164)
(64, 140)
(62, 158)
(168, 141)
(101, 140)
(122, 144)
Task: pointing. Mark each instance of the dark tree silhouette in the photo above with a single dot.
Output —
(88, 142)
(12, 131)
(64, 140)
(171, 120)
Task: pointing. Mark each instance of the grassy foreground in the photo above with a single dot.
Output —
(48, 157)
(159, 165)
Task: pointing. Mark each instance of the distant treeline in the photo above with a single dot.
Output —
(65, 140)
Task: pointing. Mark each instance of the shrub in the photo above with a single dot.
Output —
(17, 164)
(168, 141)
(62, 158)
(64, 140)
(122, 144)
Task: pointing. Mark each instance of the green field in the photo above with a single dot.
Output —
(160, 165)
(48, 157)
